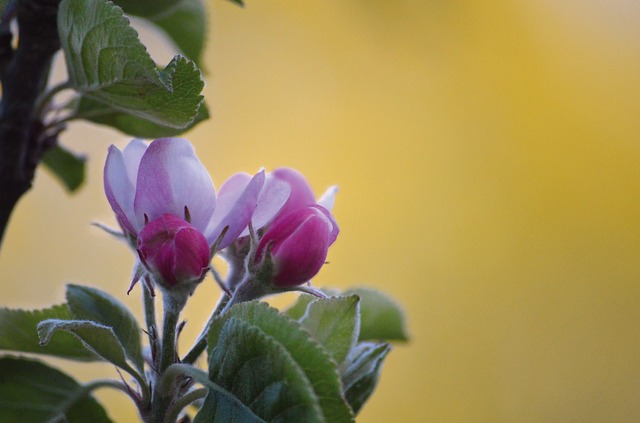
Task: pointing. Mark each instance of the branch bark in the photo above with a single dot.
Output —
(23, 75)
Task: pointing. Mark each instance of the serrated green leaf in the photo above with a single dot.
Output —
(107, 63)
(315, 362)
(66, 166)
(381, 319)
(260, 373)
(186, 26)
(18, 332)
(32, 392)
(97, 338)
(87, 303)
(335, 323)
(100, 113)
(361, 371)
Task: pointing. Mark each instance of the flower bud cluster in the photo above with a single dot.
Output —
(269, 226)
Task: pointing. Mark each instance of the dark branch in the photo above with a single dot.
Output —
(23, 74)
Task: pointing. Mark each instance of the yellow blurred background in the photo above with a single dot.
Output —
(488, 157)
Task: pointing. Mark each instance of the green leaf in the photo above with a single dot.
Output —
(87, 303)
(147, 8)
(312, 359)
(299, 308)
(95, 337)
(361, 371)
(231, 406)
(66, 166)
(97, 112)
(32, 392)
(218, 408)
(238, 2)
(186, 26)
(18, 332)
(107, 63)
(335, 323)
(380, 317)
(260, 373)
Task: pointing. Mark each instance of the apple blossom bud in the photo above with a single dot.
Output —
(173, 251)
(296, 245)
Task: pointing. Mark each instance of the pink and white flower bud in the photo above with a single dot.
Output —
(143, 182)
(174, 251)
(296, 245)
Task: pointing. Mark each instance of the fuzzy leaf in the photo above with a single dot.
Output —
(261, 374)
(380, 317)
(299, 308)
(313, 360)
(95, 337)
(100, 113)
(32, 392)
(66, 166)
(18, 332)
(361, 371)
(107, 63)
(87, 303)
(335, 323)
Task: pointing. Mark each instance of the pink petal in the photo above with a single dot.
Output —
(300, 244)
(273, 196)
(334, 230)
(132, 154)
(301, 193)
(120, 172)
(237, 201)
(171, 177)
(191, 255)
(173, 250)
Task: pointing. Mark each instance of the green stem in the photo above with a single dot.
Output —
(201, 342)
(45, 99)
(92, 386)
(150, 321)
(174, 410)
(105, 383)
(169, 324)
(162, 398)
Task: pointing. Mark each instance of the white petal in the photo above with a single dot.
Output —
(328, 199)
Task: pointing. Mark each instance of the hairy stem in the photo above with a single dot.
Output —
(201, 342)
(174, 411)
(150, 321)
(162, 398)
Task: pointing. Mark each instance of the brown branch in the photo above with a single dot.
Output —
(23, 74)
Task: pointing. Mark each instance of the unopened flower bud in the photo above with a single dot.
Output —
(296, 245)
(173, 251)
